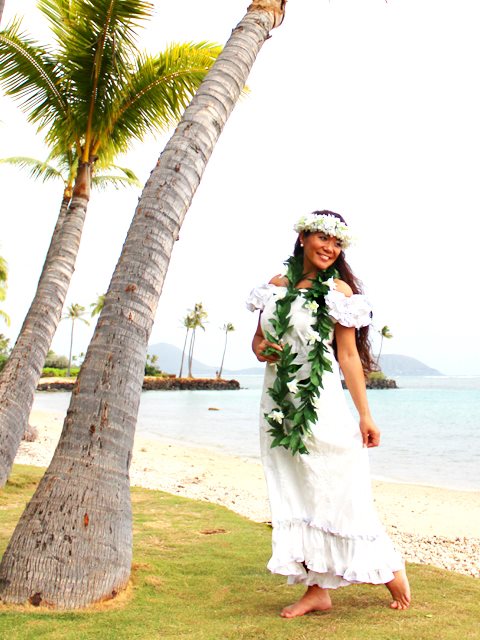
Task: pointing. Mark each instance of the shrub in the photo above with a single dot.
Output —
(52, 372)
(377, 375)
(54, 361)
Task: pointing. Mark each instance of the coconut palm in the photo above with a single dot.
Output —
(73, 543)
(227, 327)
(198, 315)
(92, 94)
(384, 333)
(188, 324)
(74, 312)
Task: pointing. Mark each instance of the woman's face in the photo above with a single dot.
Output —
(320, 250)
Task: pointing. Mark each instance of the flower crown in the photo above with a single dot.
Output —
(330, 225)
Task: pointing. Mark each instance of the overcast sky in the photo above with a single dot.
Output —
(364, 107)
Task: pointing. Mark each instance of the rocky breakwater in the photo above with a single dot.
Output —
(151, 383)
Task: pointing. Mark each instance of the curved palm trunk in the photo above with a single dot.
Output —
(20, 376)
(183, 354)
(2, 4)
(190, 354)
(73, 543)
(223, 356)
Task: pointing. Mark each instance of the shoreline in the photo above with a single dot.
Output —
(429, 525)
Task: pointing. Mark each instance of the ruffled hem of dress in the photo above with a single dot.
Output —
(314, 556)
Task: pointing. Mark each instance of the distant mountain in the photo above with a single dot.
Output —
(169, 358)
(397, 365)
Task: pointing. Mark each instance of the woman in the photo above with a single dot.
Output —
(313, 320)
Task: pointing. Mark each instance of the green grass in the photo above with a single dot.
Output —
(199, 574)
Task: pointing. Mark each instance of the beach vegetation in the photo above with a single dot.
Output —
(198, 573)
(80, 514)
(91, 92)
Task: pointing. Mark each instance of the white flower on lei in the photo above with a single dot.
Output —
(292, 386)
(312, 305)
(331, 283)
(313, 336)
(276, 415)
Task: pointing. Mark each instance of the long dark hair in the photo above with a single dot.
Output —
(346, 274)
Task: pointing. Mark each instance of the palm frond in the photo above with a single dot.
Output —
(37, 169)
(5, 317)
(99, 36)
(3, 270)
(154, 96)
(104, 181)
(31, 75)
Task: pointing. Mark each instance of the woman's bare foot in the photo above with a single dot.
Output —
(314, 599)
(400, 590)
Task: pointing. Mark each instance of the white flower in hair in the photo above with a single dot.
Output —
(328, 224)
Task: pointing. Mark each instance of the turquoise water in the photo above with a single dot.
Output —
(430, 426)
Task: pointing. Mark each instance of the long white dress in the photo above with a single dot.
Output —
(325, 528)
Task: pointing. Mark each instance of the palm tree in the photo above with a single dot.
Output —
(74, 312)
(199, 315)
(227, 327)
(73, 543)
(93, 94)
(188, 324)
(3, 288)
(384, 333)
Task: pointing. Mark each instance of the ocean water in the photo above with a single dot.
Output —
(430, 425)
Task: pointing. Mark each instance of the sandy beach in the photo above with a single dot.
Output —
(429, 525)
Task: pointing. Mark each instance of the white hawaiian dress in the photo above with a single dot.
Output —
(325, 528)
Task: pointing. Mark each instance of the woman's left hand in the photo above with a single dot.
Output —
(370, 432)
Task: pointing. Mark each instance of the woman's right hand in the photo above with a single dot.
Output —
(259, 348)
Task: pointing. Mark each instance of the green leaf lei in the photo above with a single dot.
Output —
(289, 422)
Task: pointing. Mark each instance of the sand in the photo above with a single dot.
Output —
(428, 524)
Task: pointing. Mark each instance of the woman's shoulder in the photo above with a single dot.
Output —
(279, 280)
(343, 287)
(259, 296)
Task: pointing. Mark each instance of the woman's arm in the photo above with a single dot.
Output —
(259, 344)
(351, 366)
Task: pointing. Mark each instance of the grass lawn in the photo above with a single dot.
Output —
(199, 574)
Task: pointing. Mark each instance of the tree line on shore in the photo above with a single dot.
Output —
(91, 94)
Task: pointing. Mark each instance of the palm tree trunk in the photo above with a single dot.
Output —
(223, 356)
(190, 354)
(21, 373)
(183, 354)
(2, 4)
(379, 351)
(73, 543)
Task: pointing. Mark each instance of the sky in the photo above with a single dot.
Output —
(370, 109)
